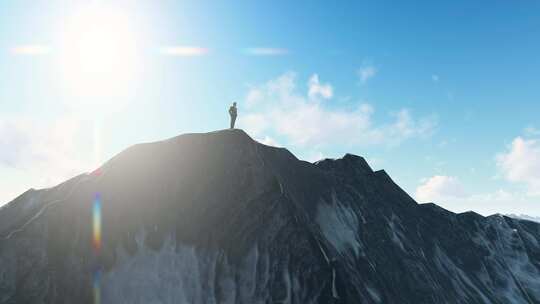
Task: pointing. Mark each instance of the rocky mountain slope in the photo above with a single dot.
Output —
(220, 218)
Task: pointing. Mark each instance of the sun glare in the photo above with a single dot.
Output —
(99, 56)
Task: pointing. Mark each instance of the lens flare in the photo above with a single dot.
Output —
(97, 288)
(96, 242)
(96, 223)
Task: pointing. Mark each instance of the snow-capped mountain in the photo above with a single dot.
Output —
(220, 218)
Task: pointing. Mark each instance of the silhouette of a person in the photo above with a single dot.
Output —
(233, 112)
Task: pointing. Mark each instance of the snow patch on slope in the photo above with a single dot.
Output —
(339, 225)
(163, 276)
(180, 273)
(523, 277)
(374, 294)
(396, 234)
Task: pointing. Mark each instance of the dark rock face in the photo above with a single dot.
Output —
(220, 218)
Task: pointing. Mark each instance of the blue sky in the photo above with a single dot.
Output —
(443, 95)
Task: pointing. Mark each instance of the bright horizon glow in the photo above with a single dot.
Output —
(98, 57)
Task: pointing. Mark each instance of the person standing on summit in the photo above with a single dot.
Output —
(233, 112)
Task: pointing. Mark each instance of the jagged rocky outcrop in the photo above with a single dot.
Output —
(220, 218)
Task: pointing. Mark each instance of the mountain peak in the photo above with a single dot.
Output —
(237, 136)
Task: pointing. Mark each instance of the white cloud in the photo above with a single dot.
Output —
(269, 141)
(405, 126)
(317, 89)
(442, 143)
(31, 50)
(521, 164)
(183, 50)
(253, 97)
(304, 121)
(498, 201)
(282, 86)
(440, 188)
(449, 192)
(47, 154)
(256, 123)
(375, 163)
(265, 51)
(487, 203)
(366, 72)
(531, 131)
(315, 156)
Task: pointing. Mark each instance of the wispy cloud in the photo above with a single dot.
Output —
(47, 153)
(183, 50)
(440, 187)
(301, 119)
(316, 88)
(315, 156)
(521, 163)
(31, 50)
(266, 51)
(366, 72)
(269, 141)
(531, 131)
(449, 192)
(518, 164)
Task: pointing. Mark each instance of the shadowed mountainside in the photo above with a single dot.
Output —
(220, 218)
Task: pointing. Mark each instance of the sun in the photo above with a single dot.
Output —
(99, 55)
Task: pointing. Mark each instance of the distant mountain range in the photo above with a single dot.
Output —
(220, 218)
